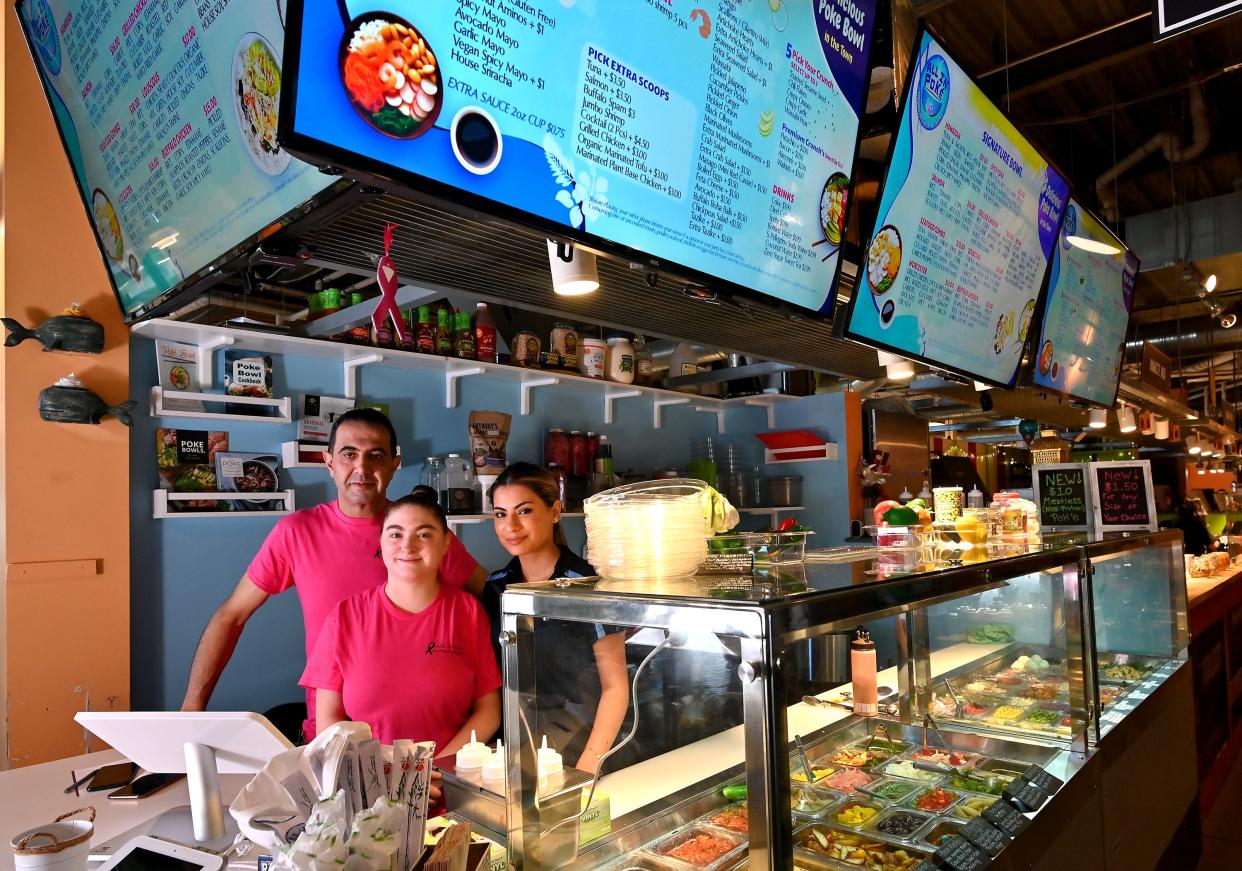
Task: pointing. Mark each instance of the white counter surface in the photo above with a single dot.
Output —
(35, 795)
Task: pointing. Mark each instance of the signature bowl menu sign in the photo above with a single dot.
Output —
(167, 112)
(1082, 339)
(720, 136)
(967, 220)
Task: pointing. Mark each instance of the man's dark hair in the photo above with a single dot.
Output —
(370, 417)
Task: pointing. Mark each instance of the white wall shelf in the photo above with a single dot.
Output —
(351, 357)
(282, 405)
(161, 498)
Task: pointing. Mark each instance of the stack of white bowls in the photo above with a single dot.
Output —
(647, 531)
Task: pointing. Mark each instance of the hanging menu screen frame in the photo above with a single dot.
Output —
(474, 202)
(1059, 199)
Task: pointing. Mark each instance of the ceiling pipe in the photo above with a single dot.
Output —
(1169, 144)
(1198, 337)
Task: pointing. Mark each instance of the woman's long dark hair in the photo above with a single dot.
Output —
(539, 481)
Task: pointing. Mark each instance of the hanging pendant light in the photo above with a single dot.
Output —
(1099, 418)
(1125, 419)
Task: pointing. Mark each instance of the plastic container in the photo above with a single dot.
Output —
(948, 502)
(676, 845)
(862, 675)
(939, 831)
(620, 360)
(495, 771)
(844, 810)
(593, 359)
(647, 531)
(784, 491)
(891, 789)
(733, 818)
(469, 761)
(813, 804)
(936, 795)
(899, 822)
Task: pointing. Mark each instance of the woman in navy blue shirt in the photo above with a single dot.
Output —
(526, 512)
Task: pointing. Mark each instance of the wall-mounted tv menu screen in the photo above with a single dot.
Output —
(967, 220)
(1090, 292)
(167, 112)
(717, 137)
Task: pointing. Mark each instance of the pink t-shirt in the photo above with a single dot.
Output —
(329, 556)
(407, 675)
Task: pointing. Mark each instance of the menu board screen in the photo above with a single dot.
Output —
(967, 221)
(719, 136)
(167, 111)
(1082, 341)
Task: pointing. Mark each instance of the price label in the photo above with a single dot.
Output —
(958, 854)
(985, 836)
(1027, 797)
(1006, 817)
(1042, 779)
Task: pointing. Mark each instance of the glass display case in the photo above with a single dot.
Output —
(718, 708)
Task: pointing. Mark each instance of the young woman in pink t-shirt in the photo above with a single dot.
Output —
(412, 657)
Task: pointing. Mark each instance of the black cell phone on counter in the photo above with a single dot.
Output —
(145, 785)
(112, 776)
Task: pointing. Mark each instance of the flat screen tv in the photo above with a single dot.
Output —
(1086, 312)
(715, 139)
(968, 217)
(167, 112)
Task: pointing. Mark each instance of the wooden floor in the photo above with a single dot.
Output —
(1222, 830)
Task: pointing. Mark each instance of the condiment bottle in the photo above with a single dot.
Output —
(564, 341)
(593, 362)
(642, 361)
(926, 494)
(359, 334)
(314, 307)
(495, 771)
(407, 342)
(556, 448)
(463, 337)
(974, 499)
(471, 758)
(484, 334)
(620, 366)
(592, 449)
(444, 333)
(425, 333)
(551, 768)
(384, 335)
(578, 453)
(329, 302)
(863, 674)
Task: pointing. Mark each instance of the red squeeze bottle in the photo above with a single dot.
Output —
(484, 334)
(863, 674)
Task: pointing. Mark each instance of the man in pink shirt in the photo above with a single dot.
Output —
(328, 552)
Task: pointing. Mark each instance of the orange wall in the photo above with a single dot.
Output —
(65, 532)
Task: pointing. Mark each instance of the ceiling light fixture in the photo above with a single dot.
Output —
(574, 271)
(1125, 419)
(1229, 320)
(1095, 246)
(1161, 426)
(1192, 444)
(1209, 284)
(1098, 418)
(1200, 469)
(898, 368)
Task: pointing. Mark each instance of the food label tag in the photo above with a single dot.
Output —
(727, 564)
(231, 467)
(1006, 817)
(1042, 779)
(985, 836)
(1024, 795)
(958, 854)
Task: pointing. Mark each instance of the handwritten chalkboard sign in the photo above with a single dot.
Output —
(1063, 494)
(1122, 496)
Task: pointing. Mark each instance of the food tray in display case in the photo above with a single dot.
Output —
(840, 847)
(704, 848)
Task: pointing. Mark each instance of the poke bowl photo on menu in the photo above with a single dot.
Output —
(391, 75)
(833, 201)
(108, 225)
(256, 74)
(884, 260)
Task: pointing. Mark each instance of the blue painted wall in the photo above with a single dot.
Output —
(184, 568)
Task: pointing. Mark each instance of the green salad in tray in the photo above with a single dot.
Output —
(991, 633)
